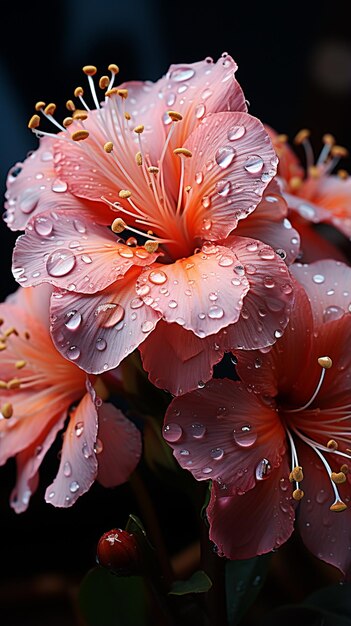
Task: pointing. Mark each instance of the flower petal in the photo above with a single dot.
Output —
(120, 443)
(79, 256)
(334, 194)
(202, 293)
(177, 360)
(34, 301)
(233, 161)
(267, 305)
(222, 432)
(98, 331)
(255, 523)
(78, 465)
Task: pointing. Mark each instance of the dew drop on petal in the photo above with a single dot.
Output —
(244, 436)
(101, 344)
(60, 263)
(215, 312)
(224, 156)
(79, 226)
(73, 320)
(236, 132)
(267, 254)
(98, 446)
(109, 314)
(318, 279)
(278, 333)
(182, 73)
(43, 226)
(268, 282)
(67, 470)
(332, 313)
(136, 303)
(262, 469)
(217, 454)
(147, 326)
(253, 164)
(184, 453)
(74, 486)
(223, 187)
(86, 259)
(172, 432)
(197, 430)
(207, 470)
(172, 304)
(59, 186)
(79, 428)
(73, 353)
(200, 111)
(199, 177)
(225, 261)
(157, 277)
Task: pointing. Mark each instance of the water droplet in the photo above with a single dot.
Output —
(51, 495)
(126, 253)
(109, 314)
(170, 100)
(236, 132)
(278, 333)
(86, 258)
(266, 254)
(172, 304)
(244, 436)
(224, 156)
(206, 94)
(332, 313)
(322, 496)
(60, 263)
(136, 303)
(217, 454)
(30, 201)
(262, 469)
(182, 73)
(74, 486)
(213, 296)
(73, 353)
(147, 326)
(184, 453)
(67, 470)
(201, 384)
(200, 111)
(100, 344)
(172, 432)
(225, 261)
(43, 226)
(157, 277)
(318, 279)
(281, 253)
(215, 312)
(60, 186)
(85, 450)
(223, 187)
(79, 226)
(240, 270)
(199, 177)
(206, 225)
(79, 428)
(197, 430)
(253, 164)
(47, 156)
(131, 241)
(207, 470)
(74, 320)
(98, 446)
(268, 282)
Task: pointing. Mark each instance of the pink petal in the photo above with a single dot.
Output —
(269, 224)
(79, 256)
(289, 164)
(98, 331)
(306, 208)
(334, 195)
(224, 433)
(314, 245)
(33, 187)
(202, 293)
(254, 523)
(118, 446)
(34, 301)
(177, 360)
(267, 305)
(28, 462)
(78, 465)
(232, 163)
(327, 284)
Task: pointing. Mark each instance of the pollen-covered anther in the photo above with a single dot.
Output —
(183, 151)
(153, 169)
(338, 506)
(79, 135)
(108, 146)
(188, 188)
(139, 129)
(328, 139)
(34, 122)
(20, 364)
(175, 116)
(298, 494)
(11, 331)
(113, 68)
(111, 92)
(343, 174)
(314, 171)
(89, 70)
(339, 151)
(325, 362)
(104, 82)
(14, 383)
(7, 410)
(79, 114)
(282, 138)
(118, 225)
(50, 108)
(79, 91)
(338, 477)
(150, 246)
(344, 468)
(123, 93)
(39, 105)
(332, 444)
(139, 158)
(127, 116)
(295, 183)
(67, 121)
(70, 106)
(296, 475)
(125, 194)
(301, 136)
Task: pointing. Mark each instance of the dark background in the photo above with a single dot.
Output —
(295, 68)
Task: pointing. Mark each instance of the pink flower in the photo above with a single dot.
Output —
(315, 195)
(39, 389)
(185, 179)
(288, 417)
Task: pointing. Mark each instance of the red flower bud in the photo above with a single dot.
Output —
(119, 552)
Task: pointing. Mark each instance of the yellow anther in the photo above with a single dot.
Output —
(127, 116)
(314, 171)
(108, 146)
(2, 346)
(282, 138)
(104, 82)
(50, 109)
(70, 105)
(175, 116)
(139, 129)
(296, 474)
(113, 68)
(328, 139)
(79, 91)
(343, 174)
(20, 364)
(339, 151)
(139, 158)
(295, 183)
(79, 135)
(3, 384)
(111, 92)
(344, 468)
(150, 246)
(14, 383)
(325, 362)
(118, 225)
(301, 136)
(80, 114)
(39, 105)
(338, 477)
(67, 121)
(34, 121)
(183, 151)
(125, 194)
(338, 506)
(188, 188)
(298, 494)
(7, 410)
(89, 70)
(123, 93)
(11, 331)
(332, 444)
(153, 169)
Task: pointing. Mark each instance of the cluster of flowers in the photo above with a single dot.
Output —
(219, 213)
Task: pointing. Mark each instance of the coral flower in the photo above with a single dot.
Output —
(279, 440)
(315, 195)
(39, 389)
(178, 163)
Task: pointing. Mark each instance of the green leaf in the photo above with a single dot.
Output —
(108, 600)
(199, 582)
(243, 581)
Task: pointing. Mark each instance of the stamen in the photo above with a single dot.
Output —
(39, 105)
(139, 158)
(338, 477)
(20, 364)
(339, 151)
(50, 109)
(79, 135)
(153, 169)
(2, 346)
(78, 92)
(298, 494)
(118, 225)
(123, 93)
(183, 151)
(325, 362)
(139, 129)
(295, 183)
(108, 147)
(89, 70)
(34, 122)
(104, 82)
(3, 384)
(80, 115)
(328, 141)
(344, 468)
(151, 246)
(70, 105)
(127, 116)
(7, 410)
(113, 68)
(175, 116)
(125, 194)
(332, 444)
(67, 121)
(302, 138)
(296, 474)
(338, 506)
(343, 174)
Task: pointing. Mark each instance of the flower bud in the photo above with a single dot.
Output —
(119, 552)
